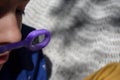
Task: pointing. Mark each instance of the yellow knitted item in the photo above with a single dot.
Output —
(109, 72)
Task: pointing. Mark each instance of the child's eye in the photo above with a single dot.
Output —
(2, 11)
(20, 12)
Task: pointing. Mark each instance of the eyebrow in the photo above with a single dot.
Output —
(24, 0)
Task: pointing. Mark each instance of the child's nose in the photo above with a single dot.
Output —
(9, 29)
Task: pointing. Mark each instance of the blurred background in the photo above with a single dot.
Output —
(85, 34)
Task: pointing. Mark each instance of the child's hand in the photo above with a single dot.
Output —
(109, 72)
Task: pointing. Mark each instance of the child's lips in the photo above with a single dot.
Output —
(4, 57)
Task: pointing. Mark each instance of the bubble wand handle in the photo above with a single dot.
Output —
(27, 43)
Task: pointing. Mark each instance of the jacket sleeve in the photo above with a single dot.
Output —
(34, 64)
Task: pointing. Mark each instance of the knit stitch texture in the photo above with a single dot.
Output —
(85, 34)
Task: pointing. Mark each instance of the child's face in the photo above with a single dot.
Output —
(10, 23)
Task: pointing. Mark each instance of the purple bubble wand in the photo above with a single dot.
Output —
(27, 43)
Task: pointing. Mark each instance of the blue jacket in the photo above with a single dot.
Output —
(24, 64)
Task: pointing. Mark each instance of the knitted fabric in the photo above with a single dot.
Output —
(85, 34)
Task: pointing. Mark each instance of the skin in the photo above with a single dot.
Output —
(10, 24)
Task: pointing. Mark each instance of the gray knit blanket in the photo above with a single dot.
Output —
(85, 34)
